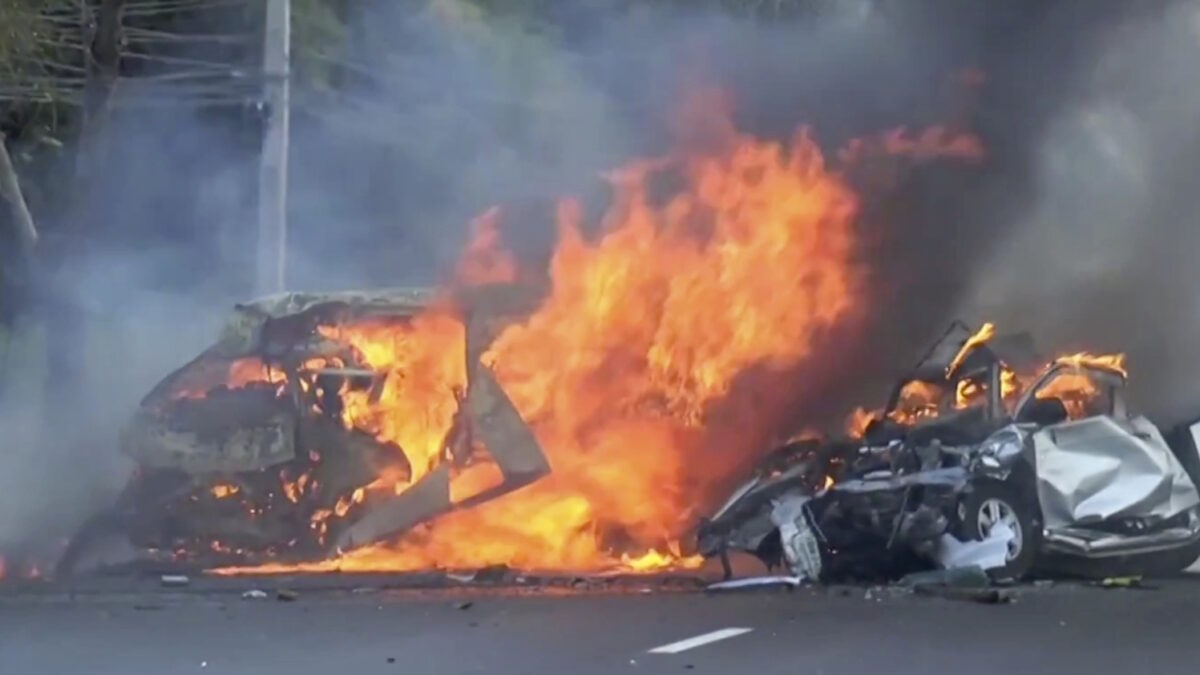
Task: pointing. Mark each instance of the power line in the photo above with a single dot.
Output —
(147, 36)
(150, 9)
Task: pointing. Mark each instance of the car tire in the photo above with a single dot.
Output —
(979, 510)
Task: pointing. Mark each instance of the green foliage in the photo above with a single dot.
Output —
(41, 65)
(318, 31)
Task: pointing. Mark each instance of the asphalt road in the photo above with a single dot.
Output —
(1061, 629)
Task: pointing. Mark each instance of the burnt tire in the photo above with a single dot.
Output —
(990, 502)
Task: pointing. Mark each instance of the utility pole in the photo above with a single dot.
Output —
(272, 186)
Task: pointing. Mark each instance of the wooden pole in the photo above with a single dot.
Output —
(271, 258)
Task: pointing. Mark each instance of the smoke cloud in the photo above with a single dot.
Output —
(1103, 255)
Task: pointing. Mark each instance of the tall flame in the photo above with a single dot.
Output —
(646, 329)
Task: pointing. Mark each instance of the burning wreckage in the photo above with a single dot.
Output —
(981, 458)
(245, 455)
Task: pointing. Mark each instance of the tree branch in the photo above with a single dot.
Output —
(10, 191)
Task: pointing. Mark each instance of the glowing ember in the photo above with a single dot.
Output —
(238, 374)
(224, 490)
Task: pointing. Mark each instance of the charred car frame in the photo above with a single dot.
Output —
(256, 471)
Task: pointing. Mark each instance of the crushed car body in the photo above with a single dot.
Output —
(969, 454)
(244, 454)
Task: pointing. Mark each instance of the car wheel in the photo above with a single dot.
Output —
(990, 504)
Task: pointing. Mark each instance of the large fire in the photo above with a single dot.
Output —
(644, 330)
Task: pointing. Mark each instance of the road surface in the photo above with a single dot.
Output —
(1062, 629)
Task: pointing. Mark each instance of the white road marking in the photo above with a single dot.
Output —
(700, 640)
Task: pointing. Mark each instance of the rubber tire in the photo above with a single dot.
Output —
(1027, 516)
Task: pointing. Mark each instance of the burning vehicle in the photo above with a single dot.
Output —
(251, 452)
(979, 458)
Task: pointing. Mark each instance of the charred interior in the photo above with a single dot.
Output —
(264, 448)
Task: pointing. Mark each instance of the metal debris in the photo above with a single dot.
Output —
(801, 548)
(991, 553)
(174, 580)
(1124, 582)
(254, 594)
(983, 596)
(755, 583)
(955, 577)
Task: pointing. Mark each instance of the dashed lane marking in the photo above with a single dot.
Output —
(700, 640)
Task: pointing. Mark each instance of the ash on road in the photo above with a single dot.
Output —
(1061, 629)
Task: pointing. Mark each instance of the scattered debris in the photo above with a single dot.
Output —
(286, 595)
(1124, 582)
(989, 554)
(955, 577)
(174, 580)
(493, 574)
(985, 457)
(755, 583)
(984, 596)
(254, 594)
(464, 605)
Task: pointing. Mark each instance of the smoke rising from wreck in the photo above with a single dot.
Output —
(1084, 191)
(1102, 254)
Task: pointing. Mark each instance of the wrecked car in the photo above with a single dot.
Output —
(245, 455)
(981, 457)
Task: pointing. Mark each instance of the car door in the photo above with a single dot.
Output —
(1102, 464)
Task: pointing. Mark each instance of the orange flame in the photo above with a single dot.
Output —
(423, 359)
(224, 490)
(645, 330)
(919, 400)
(983, 335)
(485, 261)
(1111, 362)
